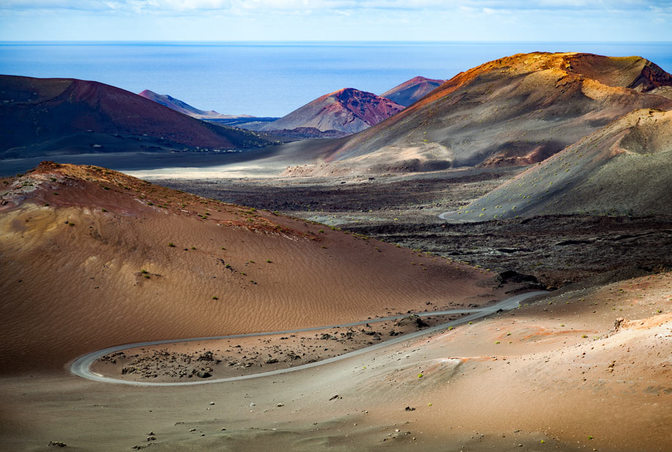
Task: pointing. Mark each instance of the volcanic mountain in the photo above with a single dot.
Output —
(185, 108)
(623, 169)
(347, 110)
(41, 116)
(92, 257)
(412, 90)
(516, 110)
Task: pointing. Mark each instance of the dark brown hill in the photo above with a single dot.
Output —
(40, 116)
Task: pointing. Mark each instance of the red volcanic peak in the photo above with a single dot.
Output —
(368, 107)
(347, 110)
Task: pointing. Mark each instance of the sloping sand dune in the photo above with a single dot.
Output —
(92, 258)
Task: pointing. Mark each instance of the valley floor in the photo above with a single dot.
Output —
(587, 367)
(404, 209)
(582, 369)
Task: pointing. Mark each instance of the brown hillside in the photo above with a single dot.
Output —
(623, 169)
(185, 108)
(512, 111)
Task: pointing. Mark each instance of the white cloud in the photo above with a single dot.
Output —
(430, 20)
(488, 6)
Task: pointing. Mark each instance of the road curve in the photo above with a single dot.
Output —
(82, 365)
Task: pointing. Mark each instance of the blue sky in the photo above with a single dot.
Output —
(336, 20)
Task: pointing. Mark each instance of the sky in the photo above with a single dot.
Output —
(336, 20)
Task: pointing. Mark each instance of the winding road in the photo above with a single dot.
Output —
(82, 365)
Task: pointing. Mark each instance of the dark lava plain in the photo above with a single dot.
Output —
(556, 250)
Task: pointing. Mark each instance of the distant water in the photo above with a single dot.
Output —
(272, 79)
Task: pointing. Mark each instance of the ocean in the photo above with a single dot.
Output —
(272, 79)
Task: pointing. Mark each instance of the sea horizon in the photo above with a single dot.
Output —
(272, 78)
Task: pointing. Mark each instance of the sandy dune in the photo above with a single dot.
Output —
(93, 258)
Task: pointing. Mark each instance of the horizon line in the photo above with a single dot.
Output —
(87, 41)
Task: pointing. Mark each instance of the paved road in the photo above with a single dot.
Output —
(82, 365)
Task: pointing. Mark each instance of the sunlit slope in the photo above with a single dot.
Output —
(516, 110)
(92, 258)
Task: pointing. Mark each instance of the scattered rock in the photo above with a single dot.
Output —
(408, 408)
(280, 405)
(203, 374)
(511, 276)
(57, 444)
(334, 397)
(207, 356)
(420, 323)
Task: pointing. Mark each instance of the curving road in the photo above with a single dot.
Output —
(82, 365)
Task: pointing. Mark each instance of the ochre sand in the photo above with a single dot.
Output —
(518, 378)
(87, 263)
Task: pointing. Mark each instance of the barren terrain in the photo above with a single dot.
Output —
(119, 260)
(517, 110)
(584, 369)
(555, 249)
(239, 356)
(360, 293)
